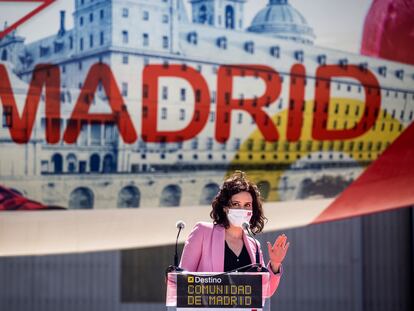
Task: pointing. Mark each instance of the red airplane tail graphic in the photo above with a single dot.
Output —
(11, 200)
(388, 183)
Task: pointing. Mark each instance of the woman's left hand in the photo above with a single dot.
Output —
(278, 251)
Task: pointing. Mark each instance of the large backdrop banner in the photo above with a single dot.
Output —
(148, 104)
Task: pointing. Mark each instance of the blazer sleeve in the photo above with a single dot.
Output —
(274, 277)
(192, 251)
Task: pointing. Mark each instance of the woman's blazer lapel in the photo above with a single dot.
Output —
(251, 247)
(217, 248)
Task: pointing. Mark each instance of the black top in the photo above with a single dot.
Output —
(232, 262)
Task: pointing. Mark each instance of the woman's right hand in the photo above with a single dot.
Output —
(277, 251)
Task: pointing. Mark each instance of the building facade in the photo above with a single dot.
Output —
(101, 170)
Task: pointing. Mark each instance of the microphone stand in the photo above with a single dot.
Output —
(171, 268)
(177, 268)
(256, 267)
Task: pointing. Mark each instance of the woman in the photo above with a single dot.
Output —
(223, 245)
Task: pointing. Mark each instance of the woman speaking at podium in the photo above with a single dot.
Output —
(223, 245)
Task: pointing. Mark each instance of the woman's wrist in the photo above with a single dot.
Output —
(275, 266)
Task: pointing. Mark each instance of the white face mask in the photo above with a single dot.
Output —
(238, 216)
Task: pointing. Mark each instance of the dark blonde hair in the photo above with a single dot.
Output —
(235, 184)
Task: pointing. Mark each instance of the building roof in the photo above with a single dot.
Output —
(280, 19)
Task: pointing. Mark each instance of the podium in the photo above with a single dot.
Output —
(189, 291)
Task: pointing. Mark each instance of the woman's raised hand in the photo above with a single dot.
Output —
(277, 251)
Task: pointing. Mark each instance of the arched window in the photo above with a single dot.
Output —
(81, 198)
(94, 163)
(323, 187)
(264, 187)
(192, 37)
(208, 193)
(202, 15)
(109, 164)
(170, 196)
(72, 162)
(304, 187)
(4, 55)
(229, 17)
(57, 161)
(221, 42)
(129, 197)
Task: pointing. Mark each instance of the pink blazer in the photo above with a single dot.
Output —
(204, 251)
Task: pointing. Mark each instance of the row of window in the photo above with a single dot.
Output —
(240, 116)
(308, 146)
(59, 46)
(281, 146)
(182, 115)
(107, 133)
(91, 41)
(108, 164)
(82, 2)
(287, 156)
(95, 134)
(292, 103)
(145, 15)
(125, 14)
(290, 157)
(130, 196)
(204, 16)
(96, 165)
(145, 39)
(346, 109)
(91, 17)
(350, 87)
(345, 124)
(44, 51)
(125, 40)
(299, 55)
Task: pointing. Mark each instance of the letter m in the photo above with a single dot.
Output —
(21, 127)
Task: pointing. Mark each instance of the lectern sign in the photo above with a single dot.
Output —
(219, 291)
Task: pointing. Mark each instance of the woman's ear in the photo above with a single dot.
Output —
(226, 210)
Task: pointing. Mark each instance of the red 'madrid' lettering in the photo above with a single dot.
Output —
(225, 102)
(100, 73)
(322, 96)
(151, 74)
(21, 127)
(48, 76)
(296, 102)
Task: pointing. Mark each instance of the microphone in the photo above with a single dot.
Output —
(179, 225)
(258, 266)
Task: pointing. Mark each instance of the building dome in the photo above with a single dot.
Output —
(279, 19)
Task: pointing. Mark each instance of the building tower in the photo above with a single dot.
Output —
(219, 13)
(11, 47)
(279, 19)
